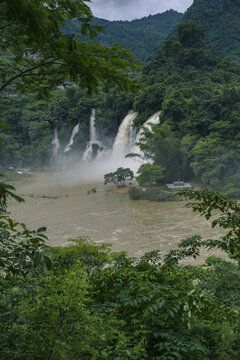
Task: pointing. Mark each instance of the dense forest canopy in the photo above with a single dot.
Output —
(140, 36)
(200, 102)
(221, 20)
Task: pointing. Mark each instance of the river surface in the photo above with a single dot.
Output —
(65, 208)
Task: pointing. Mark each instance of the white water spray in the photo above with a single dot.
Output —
(74, 132)
(55, 142)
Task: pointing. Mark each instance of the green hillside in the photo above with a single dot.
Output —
(197, 92)
(141, 36)
(221, 20)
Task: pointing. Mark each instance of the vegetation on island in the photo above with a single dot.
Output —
(119, 177)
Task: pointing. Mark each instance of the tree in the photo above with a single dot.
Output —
(35, 48)
(191, 34)
(208, 159)
(160, 145)
(150, 175)
(119, 177)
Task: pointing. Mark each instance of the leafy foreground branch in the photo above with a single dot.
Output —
(94, 304)
(37, 56)
(21, 249)
(206, 202)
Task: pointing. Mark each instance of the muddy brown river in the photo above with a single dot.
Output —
(64, 207)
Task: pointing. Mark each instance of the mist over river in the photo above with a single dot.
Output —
(61, 203)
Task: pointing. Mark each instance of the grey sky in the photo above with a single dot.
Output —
(135, 9)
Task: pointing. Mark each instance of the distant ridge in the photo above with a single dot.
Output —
(140, 36)
(221, 19)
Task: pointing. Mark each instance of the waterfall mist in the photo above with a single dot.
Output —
(97, 159)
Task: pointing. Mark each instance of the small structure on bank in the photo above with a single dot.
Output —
(178, 185)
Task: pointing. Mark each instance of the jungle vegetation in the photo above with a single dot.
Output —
(140, 36)
(221, 19)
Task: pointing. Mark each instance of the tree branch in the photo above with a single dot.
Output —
(44, 74)
(24, 72)
(4, 26)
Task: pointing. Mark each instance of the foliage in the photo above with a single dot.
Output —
(119, 177)
(162, 148)
(80, 251)
(49, 318)
(21, 249)
(198, 96)
(206, 202)
(221, 22)
(35, 48)
(150, 175)
(5, 193)
(152, 194)
(166, 314)
(140, 36)
(191, 34)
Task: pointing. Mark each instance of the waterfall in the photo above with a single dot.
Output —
(93, 136)
(98, 160)
(55, 142)
(125, 136)
(74, 132)
(153, 120)
(94, 147)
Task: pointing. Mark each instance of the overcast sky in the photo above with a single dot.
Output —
(135, 9)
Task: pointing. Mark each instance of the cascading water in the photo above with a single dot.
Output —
(125, 136)
(94, 144)
(108, 160)
(74, 132)
(55, 142)
(93, 136)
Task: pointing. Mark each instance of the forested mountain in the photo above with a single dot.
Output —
(140, 36)
(197, 92)
(221, 20)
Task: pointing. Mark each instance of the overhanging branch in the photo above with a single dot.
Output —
(4, 26)
(25, 72)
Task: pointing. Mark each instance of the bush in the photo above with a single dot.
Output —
(151, 195)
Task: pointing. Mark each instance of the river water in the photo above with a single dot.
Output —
(62, 205)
